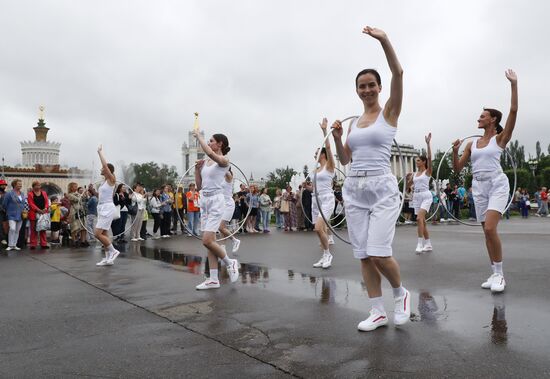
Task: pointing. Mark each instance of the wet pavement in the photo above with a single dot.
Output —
(62, 316)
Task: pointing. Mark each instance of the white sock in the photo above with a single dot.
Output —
(110, 248)
(427, 242)
(493, 268)
(214, 275)
(377, 303)
(498, 268)
(226, 260)
(326, 252)
(420, 241)
(399, 291)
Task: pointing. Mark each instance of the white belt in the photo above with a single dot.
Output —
(366, 173)
(211, 193)
(420, 191)
(484, 176)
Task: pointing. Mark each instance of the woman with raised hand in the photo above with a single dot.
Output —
(490, 185)
(422, 198)
(210, 175)
(324, 192)
(106, 210)
(370, 190)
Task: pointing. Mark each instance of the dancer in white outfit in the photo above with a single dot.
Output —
(370, 190)
(209, 176)
(422, 198)
(229, 209)
(490, 185)
(325, 176)
(106, 211)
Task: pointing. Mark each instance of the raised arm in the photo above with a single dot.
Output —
(221, 160)
(109, 176)
(343, 151)
(330, 157)
(429, 167)
(393, 106)
(459, 163)
(506, 135)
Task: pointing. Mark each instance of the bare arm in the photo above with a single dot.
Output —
(506, 135)
(459, 163)
(109, 176)
(429, 167)
(198, 177)
(330, 157)
(343, 151)
(221, 160)
(393, 106)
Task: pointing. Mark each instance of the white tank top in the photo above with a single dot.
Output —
(486, 159)
(371, 146)
(421, 182)
(213, 177)
(105, 193)
(324, 181)
(227, 189)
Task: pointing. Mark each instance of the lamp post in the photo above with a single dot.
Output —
(3, 173)
(533, 163)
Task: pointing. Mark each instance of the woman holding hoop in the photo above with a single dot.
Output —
(422, 199)
(370, 190)
(490, 185)
(210, 176)
(106, 211)
(325, 193)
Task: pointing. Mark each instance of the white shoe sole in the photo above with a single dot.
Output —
(372, 326)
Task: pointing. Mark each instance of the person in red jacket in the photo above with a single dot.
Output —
(38, 205)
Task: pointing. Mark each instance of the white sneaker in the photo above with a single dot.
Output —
(102, 262)
(331, 240)
(134, 240)
(498, 283)
(233, 270)
(328, 261)
(112, 257)
(402, 312)
(141, 239)
(419, 249)
(9, 248)
(165, 236)
(487, 284)
(320, 262)
(375, 320)
(156, 237)
(236, 244)
(17, 248)
(208, 285)
(427, 248)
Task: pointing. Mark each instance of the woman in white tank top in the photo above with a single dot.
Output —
(370, 192)
(490, 185)
(422, 197)
(210, 176)
(106, 211)
(325, 176)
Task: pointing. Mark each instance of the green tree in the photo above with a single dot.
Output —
(280, 177)
(538, 150)
(518, 155)
(524, 178)
(153, 175)
(545, 177)
(446, 167)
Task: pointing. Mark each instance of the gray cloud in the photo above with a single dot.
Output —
(130, 74)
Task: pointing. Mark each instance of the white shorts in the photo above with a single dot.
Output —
(327, 206)
(229, 209)
(212, 208)
(372, 207)
(105, 214)
(490, 193)
(422, 200)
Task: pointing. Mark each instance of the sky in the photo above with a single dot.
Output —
(130, 74)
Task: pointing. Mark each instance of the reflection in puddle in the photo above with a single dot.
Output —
(499, 327)
(428, 309)
(192, 263)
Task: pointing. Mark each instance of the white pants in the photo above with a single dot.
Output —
(327, 206)
(212, 208)
(13, 233)
(490, 193)
(105, 214)
(229, 209)
(372, 207)
(422, 200)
